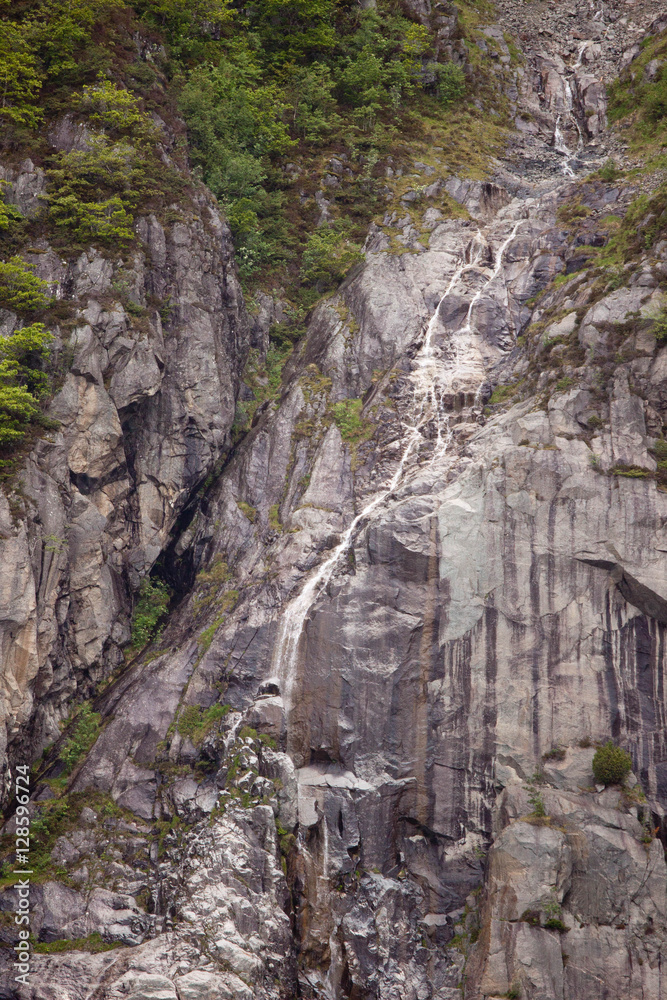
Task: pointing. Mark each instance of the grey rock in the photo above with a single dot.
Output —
(469, 603)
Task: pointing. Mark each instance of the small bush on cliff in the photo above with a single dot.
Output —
(611, 765)
(353, 427)
(86, 731)
(451, 83)
(327, 257)
(195, 722)
(150, 608)
(535, 796)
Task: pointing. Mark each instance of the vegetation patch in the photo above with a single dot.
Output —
(195, 722)
(640, 99)
(611, 764)
(501, 394)
(85, 730)
(556, 753)
(629, 471)
(535, 797)
(353, 427)
(24, 383)
(247, 510)
(93, 944)
(150, 609)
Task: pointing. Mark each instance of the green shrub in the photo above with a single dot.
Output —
(20, 288)
(629, 471)
(20, 77)
(659, 329)
(152, 605)
(451, 83)
(327, 257)
(555, 924)
(86, 731)
(556, 753)
(195, 722)
(23, 383)
(117, 111)
(535, 797)
(311, 94)
(349, 421)
(609, 171)
(611, 765)
(10, 216)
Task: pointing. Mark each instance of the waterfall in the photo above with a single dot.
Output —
(561, 146)
(433, 376)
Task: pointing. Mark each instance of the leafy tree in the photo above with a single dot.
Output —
(234, 121)
(60, 30)
(293, 30)
(311, 93)
(152, 605)
(95, 190)
(9, 214)
(20, 288)
(22, 381)
(20, 77)
(451, 83)
(117, 110)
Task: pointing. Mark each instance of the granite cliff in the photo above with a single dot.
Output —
(409, 599)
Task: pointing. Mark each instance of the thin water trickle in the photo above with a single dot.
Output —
(561, 146)
(437, 372)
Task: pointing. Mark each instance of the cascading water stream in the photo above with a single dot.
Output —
(432, 378)
(559, 142)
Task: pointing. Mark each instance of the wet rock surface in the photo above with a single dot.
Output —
(318, 779)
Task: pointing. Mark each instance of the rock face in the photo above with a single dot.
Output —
(575, 903)
(320, 782)
(145, 412)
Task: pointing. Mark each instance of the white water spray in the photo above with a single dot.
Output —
(432, 378)
(561, 146)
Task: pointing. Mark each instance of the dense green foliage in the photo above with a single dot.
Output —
(23, 383)
(293, 74)
(150, 608)
(350, 422)
(96, 190)
(611, 765)
(24, 353)
(20, 288)
(327, 256)
(258, 86)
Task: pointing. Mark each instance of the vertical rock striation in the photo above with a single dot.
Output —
(144, 413)
(413, 595)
